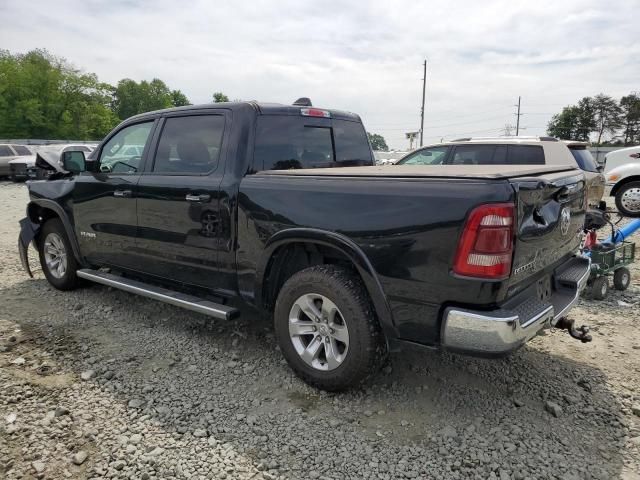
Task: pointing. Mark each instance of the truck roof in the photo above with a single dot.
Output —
(417, 171)
(261, 108)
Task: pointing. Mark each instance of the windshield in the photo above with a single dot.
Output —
(426, 156)
(585, 160)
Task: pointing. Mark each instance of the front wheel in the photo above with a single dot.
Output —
(327, 329)
(56, 256)
(628, 199)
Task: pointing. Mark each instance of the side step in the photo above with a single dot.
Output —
(158, 293)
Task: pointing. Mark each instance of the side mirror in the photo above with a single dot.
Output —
(73, 161)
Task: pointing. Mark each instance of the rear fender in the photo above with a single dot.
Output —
(345, 246)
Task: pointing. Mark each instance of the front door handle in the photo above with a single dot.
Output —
(205, 197)
(123, 193)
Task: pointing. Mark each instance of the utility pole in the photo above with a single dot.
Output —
(518, 117)
(424, 87)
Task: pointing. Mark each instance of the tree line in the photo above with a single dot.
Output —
(600, 117)
(44, 96)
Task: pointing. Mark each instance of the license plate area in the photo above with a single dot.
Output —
(543, 289)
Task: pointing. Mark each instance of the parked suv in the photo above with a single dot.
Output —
(233, 207)
(514, 151)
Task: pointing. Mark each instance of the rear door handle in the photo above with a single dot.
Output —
(198, 198)
(123, 193)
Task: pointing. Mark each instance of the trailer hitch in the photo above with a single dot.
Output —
(579, 333)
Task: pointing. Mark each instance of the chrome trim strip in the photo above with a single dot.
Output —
(177, 299)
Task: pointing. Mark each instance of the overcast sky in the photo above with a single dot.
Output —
(365, 57)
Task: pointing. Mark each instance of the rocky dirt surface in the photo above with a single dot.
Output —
(98, 383)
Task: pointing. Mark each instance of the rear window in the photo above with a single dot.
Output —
(585, 160)
(525, 155)
(20, 150)
(497, 155)
(285, 142)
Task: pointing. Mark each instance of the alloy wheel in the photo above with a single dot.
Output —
(318, 332)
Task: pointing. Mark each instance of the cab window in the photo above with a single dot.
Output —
(117, 156)
(189, 145)
(284, 142)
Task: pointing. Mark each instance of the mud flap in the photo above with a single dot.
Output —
(28, 232)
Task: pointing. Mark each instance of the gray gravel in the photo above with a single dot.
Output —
(115, 386)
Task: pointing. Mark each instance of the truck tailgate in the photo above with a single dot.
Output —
(550, 214)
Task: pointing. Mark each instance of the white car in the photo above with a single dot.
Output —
(625, 187)
(24, 168)
(621, 157)
(514, 151)
(9, 152)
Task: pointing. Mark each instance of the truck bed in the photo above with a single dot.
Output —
(427, 171)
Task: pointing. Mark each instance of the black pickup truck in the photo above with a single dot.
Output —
(234, 206)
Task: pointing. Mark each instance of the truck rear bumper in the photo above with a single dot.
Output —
(501, 331)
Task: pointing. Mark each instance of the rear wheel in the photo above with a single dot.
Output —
(600, 288)
(621, 278)
(327, 329)
(56, 256)
(628, 199)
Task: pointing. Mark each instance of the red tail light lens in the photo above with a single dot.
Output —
(486, 244)
(315, 112)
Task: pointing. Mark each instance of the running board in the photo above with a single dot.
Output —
(178, 299)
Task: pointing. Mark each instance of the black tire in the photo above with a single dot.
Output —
(621, 278)
(366, 346)
(68, 280)
(625, 189)
(600, 288)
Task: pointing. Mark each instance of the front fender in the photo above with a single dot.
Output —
(28, 231)
(56, 208)
(350, 249)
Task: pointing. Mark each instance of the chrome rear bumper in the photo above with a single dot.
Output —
(503, 330)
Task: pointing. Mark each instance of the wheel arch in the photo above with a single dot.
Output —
(41, 210)
(616, 188)
(282, 247)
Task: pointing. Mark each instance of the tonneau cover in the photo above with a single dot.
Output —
(403, 171)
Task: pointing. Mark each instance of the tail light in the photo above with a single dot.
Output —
(315, 112)
(486, 244)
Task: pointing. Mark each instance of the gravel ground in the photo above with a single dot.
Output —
(98, 383)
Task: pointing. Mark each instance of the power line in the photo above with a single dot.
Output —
(377, 125)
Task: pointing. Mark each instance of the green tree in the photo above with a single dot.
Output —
(565, 124)
(574, 122)
(378, 142)
(131, 98)
(179, 99)
(630, 105)
(608, 115)
(219, 97)
(43, 96)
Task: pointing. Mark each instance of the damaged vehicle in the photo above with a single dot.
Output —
(237, 207)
